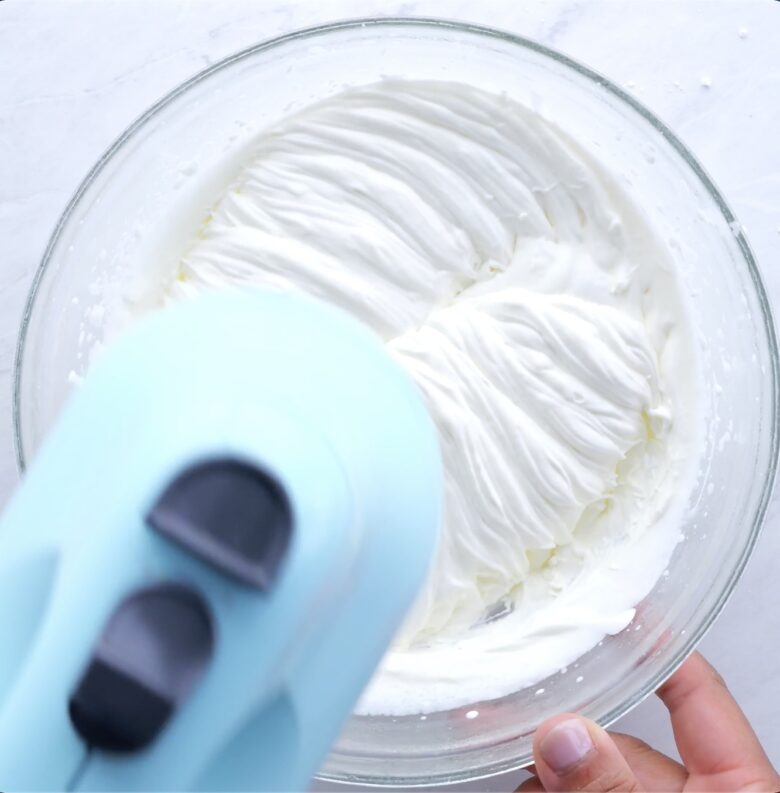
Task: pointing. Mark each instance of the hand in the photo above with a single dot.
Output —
(719, 749)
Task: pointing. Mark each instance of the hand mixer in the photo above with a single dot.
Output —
(212, 551)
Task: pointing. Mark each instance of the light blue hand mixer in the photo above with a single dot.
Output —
(212, 551)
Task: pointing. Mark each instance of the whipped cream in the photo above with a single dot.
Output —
(543, 323)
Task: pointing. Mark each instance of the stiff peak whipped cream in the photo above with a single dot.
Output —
(514, 281)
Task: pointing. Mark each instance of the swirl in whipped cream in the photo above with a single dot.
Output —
(544, 325)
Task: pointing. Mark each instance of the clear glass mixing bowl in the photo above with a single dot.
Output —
(119, 223)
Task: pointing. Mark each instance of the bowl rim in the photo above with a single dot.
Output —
(594, 76)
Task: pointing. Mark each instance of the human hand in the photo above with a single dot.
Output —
(718, 747)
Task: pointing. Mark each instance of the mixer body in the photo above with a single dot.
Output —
(211, 552)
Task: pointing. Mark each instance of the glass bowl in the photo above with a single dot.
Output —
(137, 204)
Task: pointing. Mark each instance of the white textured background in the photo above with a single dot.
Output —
(75, 73)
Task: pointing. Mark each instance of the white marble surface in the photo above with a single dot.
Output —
(76, 73)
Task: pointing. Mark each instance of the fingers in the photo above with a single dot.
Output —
(656, 772)
(574, 754)
(713, 735)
